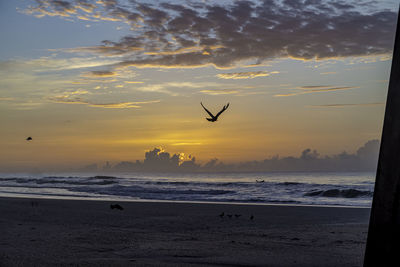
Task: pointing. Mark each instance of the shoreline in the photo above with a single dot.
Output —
(49, 232)
(180, 201)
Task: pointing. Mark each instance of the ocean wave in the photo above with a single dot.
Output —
(177, 184)
(137, 191)
(62, 180)
(169, 183)
(289, 183)
(276, 189)
(103, 177)
(223, 184)
(346, 193)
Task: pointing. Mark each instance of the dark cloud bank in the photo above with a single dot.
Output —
(193, 34)
(365, 159)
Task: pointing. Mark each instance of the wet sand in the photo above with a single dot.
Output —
(50, 232)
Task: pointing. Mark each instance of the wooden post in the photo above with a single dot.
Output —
(383, 242)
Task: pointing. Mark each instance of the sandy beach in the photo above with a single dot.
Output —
(50, 232)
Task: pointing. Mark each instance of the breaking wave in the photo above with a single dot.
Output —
(347, 193)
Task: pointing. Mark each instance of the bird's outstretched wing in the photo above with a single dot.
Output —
(209, 113)
(222, 110)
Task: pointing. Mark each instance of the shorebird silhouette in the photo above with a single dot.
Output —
(29, 138)
(116, 206)
(214, 118)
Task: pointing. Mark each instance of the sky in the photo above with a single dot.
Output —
(107, 80)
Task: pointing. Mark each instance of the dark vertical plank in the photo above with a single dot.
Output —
(383, 242)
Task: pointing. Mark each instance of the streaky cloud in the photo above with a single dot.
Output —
(219, 92)
(307, 87)
(7, 98)
(99, 73)
(328, 73)
(245, 75)
(347, 105)
(310, 89)
(327, 89)
(187, 144)
(66, 99)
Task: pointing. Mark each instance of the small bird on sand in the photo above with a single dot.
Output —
(116, 206)
(222, 214)
(29, 138)
(252, 217)
(214, 118)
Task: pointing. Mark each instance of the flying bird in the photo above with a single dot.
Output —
(29, 138)
(214, 118)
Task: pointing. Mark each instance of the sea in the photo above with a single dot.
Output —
(354, 189)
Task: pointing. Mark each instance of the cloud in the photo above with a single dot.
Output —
(190, 34)
(158, 159)
(52, 8)
(81, 9)
(348, 105)
(7, 98)
(67, 99)
(219, 92)
(20, 103)
(160, 88)
(99, 73)
(325, 88)
(309, 89)
(245, 75)
(57, 64)
(187, 144)
(28, 105)
(328, 89)
(328, 73)
(132, 82)
(165, 87)
(369, 149)
(118, 105)
(364, 159)
(68, 94)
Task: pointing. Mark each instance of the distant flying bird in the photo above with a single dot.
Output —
(116, 206)
(29, 138)
(252, 217)
(238, 215)
(222, 214)
(214, 118)
(229, 216)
